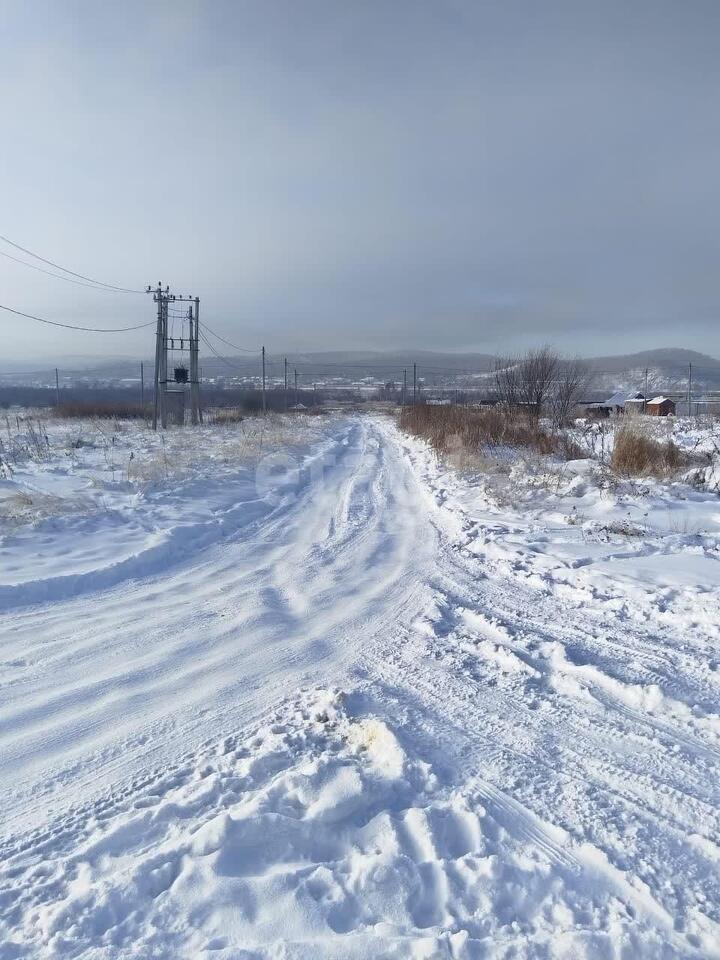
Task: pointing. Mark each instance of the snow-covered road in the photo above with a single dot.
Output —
(265, 589)
(317, 718)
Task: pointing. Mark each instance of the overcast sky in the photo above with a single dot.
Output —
(366, 173)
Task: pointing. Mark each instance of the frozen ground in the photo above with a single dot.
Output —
(310, 693)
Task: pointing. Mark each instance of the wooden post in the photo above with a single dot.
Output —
(195, 411)
(198, 368)
(57, 388)
(163, 359)
(264, 403)
(158, 347)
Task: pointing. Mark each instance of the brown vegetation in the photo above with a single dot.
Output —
(636, 454)
(102, 410)
(226, 416)
(448, 428)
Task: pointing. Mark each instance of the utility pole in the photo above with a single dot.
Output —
(404, 394)
(645, 400)
(286, 403)
(198, 370)
(690, 391)
(194, 324)
(264, 402)
(162, 297)
(57, 387)
(159, 399)
(414, 384)
(142, 386)
(296, 393)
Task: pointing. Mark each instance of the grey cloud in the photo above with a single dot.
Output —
(449, 174)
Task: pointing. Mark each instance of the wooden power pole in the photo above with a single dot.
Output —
(264, 402)
(162, 298)
(194, 319)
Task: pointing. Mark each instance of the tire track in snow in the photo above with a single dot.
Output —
(365, 579)
(214, 641)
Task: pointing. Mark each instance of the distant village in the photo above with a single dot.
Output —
(637, 403)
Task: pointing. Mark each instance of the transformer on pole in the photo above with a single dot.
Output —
(170, 391)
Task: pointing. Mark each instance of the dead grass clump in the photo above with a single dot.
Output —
(103, 410)
(449, 428)
(637, 455)
(227, 416)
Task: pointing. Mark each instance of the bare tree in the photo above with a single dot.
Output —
(507, 380)
(541, 382)
(537, 372)
(571, 381)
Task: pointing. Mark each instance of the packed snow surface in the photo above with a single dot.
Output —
(300, 690)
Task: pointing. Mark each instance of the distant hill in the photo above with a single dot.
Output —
(667, 369)
(672, 359)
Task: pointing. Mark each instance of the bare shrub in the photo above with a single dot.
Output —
(27, 439)
(637, 455)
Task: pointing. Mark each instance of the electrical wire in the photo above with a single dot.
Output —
(51, 263)
(49, 273)
(227, 342)
(72, 326)
(227, 362)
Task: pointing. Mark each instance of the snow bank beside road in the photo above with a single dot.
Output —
(644, 547)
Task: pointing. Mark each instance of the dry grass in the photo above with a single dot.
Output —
(635, 454)
(102, 410)
(451, 428)
(225, 416)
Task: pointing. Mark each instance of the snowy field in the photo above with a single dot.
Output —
(297, 689)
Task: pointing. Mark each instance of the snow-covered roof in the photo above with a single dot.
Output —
(659, 400)
(620, 398)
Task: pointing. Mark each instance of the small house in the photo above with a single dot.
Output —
(621, 402)
(661, 407)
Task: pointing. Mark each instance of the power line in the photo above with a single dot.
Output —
(49, 273)
(227, 362)
(73, 371)
(72, 326)
(51, 263)
(223, 340)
